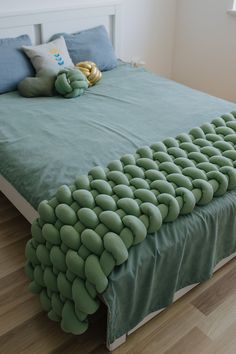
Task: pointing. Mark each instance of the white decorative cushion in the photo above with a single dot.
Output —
(53, 55)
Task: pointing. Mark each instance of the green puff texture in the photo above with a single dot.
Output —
(71, 83)
(88, 228)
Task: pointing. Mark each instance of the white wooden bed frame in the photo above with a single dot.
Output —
(41, 25)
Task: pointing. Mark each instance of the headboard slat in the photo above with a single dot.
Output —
(42, 24)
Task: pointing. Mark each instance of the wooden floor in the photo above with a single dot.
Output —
(203, 322)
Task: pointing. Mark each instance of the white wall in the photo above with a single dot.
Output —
(147, 29)
(205, 47)
(149, 33)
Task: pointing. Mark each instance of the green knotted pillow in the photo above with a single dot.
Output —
(71, 83)
(40, 85)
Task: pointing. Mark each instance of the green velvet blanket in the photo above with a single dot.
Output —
(88, 228)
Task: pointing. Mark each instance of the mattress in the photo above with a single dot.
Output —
(46, 142)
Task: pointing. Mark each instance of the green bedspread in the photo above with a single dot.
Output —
(47, 142)
(88, 227)
(129, 108)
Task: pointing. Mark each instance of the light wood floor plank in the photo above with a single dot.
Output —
(194, 342)
(164, 335)
(12, 257)
(220, 319)
(226, 343)
(216, 294)
(42, 339)
(19, 314)
(12, 280)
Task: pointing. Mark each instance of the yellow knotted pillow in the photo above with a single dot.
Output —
(91, 71)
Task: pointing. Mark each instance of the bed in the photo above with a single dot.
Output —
(130, 108)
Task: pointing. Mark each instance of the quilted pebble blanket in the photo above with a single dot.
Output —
(88, 228)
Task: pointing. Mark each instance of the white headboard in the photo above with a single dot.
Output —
(42, 24)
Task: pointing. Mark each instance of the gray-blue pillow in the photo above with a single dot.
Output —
(14, 65)
(92, 44)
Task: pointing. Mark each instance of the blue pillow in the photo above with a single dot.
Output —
(14, 65)
(92, 44)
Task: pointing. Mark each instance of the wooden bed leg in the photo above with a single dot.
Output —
(116, 343)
